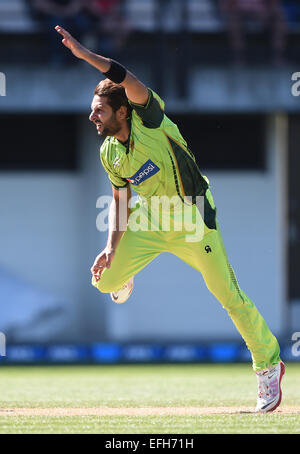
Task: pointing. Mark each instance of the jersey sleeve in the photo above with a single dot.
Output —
(152, 113)
(117, 181)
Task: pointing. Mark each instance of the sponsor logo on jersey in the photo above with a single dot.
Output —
(146, 171)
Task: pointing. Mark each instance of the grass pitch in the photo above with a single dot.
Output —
(148, 399)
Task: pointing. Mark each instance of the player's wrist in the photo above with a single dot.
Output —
(116, 72)
(110, 249)
(87, 55)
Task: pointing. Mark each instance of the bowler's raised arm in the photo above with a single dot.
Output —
(136, 91)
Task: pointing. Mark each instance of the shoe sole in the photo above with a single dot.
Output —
(282, 372)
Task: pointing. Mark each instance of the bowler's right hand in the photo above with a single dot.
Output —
(71, 43)
(103, 260)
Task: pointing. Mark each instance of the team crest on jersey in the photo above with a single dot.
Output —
(146, 171)
(116, 162)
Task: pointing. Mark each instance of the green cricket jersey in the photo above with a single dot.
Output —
(156, 160)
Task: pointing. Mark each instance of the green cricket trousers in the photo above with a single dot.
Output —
(207, 255)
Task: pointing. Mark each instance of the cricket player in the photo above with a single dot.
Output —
(144, 149)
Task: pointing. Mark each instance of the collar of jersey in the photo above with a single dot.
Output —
(129, 138)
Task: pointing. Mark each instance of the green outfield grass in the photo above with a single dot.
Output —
(142, 386)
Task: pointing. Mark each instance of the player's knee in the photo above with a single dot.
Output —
(227, 295)
(233, 301)
(221, 291)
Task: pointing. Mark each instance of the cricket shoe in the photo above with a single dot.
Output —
(269, 388)
(123, 294)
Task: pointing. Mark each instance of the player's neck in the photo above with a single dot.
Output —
(123, 134)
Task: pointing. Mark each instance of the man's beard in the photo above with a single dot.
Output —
(111, 129)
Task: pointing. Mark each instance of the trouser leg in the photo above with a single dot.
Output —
(209, 257)
(134, 252)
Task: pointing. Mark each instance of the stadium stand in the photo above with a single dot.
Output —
(142, 15)
(201, 15)
(15, 17)
(200, 23)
